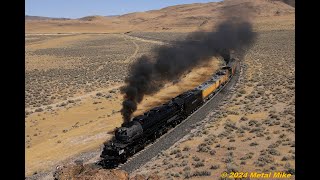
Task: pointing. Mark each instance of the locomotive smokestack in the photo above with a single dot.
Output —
(147, 75)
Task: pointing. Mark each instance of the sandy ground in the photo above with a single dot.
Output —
(58, 133)
(252, 131)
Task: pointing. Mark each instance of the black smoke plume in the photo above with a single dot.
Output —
(147, 75)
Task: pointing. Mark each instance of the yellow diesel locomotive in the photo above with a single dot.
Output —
(216, 82)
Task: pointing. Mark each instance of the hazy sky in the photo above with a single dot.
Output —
(81, 8)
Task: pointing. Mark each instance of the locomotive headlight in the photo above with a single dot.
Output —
(121, 151)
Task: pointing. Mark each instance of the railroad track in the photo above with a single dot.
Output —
(168, 139)
(175, 134)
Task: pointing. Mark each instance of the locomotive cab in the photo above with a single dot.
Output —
(227, 69)
(221, 72)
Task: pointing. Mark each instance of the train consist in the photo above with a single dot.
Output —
(144, 129)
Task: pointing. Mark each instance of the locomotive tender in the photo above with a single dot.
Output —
(143, 129)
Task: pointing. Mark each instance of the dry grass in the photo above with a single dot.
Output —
(253, 132)
(80, 116)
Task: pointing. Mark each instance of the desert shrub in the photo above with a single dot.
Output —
(71, 101)
(290, 171)
(286, 125)
(258, 124)
(165, 162)
(253, 144)
(274, 145)
(208, 141)
(273, 116)
(264, 160)
(247, 156)
(196, 158)
(231, 136)
(245, 127)
(273, 168)
(38, 110)
(178, 155)
(201, 173)
(287, 165)
(273, 151)
(240, 131)
(231, 148)
(175, 151)
(170, 166)
(187, 168)
(78, 162)
(186, 148)
(203, 148)
(184, 156)
(260, 134)
(285, 158)
(187, 175)
(242, 91)
(231, 168)
(228, 159)
(198, 164)
(230, 125)
(214, 167)
(212, 152)
(256, 130)
(252, 122)
(108, 96)
(229, 154)
(99, 94)
(184, 163)
(224, 134)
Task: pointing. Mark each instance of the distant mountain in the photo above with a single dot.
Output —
(264, 14)
(28, 18)
(207, 14)
(289, 2)
(93, 18)
(112, 16)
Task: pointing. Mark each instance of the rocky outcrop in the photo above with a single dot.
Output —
(92, 172)
(86, 172)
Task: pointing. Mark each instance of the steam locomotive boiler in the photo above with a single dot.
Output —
(133, 136)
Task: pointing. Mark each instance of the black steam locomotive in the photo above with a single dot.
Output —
(144, 129)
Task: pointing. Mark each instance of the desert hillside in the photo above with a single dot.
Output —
(265, 15)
